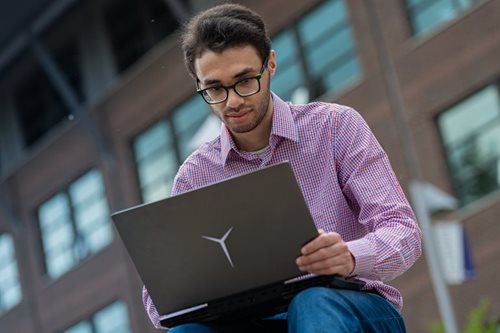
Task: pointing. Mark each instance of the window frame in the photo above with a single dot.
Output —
(445, 149)
(14, 261)
(308, 77)
(65, 190)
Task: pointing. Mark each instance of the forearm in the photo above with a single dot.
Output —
(388, 251)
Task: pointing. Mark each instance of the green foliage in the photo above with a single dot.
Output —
(437, 327)
(478, 321)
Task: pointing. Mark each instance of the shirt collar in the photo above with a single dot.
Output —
(283, 125)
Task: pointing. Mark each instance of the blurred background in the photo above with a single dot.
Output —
(97, 112)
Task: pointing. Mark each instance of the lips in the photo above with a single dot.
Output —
(237, 115)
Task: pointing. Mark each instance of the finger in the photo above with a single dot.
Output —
(321, 254)
(323, 240)
(325, 268)
(328, 268)
(342, 270)
(318, 265)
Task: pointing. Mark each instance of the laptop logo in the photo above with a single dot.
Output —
(222, 243)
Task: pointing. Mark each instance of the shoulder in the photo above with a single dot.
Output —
(322, 110)
(203, 161)
(330, 116)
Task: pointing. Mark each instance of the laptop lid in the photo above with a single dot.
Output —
(242, 233)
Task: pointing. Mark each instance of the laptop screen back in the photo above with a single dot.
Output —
(210, 243)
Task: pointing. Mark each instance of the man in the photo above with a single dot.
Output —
(366, 226)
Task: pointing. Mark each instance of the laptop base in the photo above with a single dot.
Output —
(259, 303)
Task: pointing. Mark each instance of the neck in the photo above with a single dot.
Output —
(257, 138)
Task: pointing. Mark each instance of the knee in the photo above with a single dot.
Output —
(309, 300)
(321, 301)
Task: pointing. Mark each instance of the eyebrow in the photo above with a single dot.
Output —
(241, 73)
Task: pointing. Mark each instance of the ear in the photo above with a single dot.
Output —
(271, 62)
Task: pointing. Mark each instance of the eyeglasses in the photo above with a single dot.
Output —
(245, 87)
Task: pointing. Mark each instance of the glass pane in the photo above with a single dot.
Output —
(321, 20)
(286, 48)
(10, 288)
(157, 166)
(471, 133)
(207, 131)
(432, 16)
(8, 273)
(329, 47)
(330, 50)
(60, 238)
(88, 216)
(6, 249)
(111, 319)
(87, 186)
(194, 125)
(157, 191)
(464, 119)
(464, 4)
(83, 327)
(343, 75)
(287, 80)
(55, 209)
(57, 235)
(156, 160)
(190, 113)
(99, 237)
(11, 297)
(60, 262)
(91, 212)
(474, 185)
(289, 75)
(488, 143)
(157, 138)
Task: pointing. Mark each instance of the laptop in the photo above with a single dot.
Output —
(224, 251)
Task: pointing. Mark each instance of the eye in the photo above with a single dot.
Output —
(245, 82)
(214, 90)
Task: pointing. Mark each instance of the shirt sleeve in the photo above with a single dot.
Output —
(181, 185)
(393, 241)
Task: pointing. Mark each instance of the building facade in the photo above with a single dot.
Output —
(97, 112)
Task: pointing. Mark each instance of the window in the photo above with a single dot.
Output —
(74, 224)
(428, 15)
(471, 132)
(194, 124)
(156, 161)
(38, 106)
(135, 26)
(160, 149)
(111, 319)
(10, 288)
(318, 52)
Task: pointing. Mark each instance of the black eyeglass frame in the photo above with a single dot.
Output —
(233, 86)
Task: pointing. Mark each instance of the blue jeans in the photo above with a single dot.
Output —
(319, 310)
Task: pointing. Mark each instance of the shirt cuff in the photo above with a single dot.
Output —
(364, 257)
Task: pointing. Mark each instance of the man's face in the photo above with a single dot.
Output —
(239, 114)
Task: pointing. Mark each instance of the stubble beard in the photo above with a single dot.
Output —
(258, 113)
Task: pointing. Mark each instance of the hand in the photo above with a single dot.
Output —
(327, 254)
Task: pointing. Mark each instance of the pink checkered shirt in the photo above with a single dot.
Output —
(345, 177)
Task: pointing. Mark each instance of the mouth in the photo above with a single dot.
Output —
(237, 115)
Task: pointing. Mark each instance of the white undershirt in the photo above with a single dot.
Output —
(261, 152)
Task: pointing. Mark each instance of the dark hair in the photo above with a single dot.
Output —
(222, 27)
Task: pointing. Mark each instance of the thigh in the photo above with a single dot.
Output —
(336, 310)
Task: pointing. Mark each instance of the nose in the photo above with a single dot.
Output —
(234, 100)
